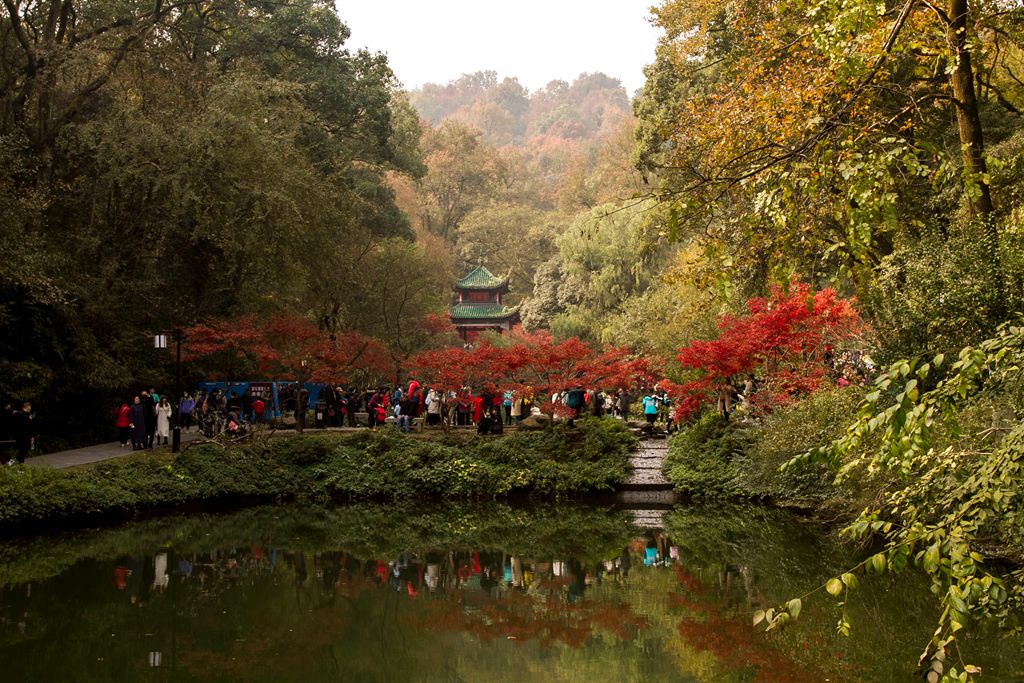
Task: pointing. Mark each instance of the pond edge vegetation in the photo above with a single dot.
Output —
(558, 463)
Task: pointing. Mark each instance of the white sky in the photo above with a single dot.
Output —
(534, 40)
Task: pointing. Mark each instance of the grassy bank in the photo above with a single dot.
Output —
(554, 463)
(718, 459)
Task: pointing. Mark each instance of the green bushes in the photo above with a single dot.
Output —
(382, 465)
(700, 459)
(787, 433)
(716, 458)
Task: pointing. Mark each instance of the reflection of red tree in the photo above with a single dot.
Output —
(711, 627)
(521, 617)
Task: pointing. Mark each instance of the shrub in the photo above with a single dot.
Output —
(788, 432)
(382, 465)
(700, 460)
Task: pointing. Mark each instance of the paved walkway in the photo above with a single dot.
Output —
(646, 466)
(91, 454)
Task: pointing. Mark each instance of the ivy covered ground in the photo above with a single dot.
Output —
(557, 462)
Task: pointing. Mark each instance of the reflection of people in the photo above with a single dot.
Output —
(160, 576)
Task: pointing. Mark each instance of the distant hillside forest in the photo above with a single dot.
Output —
(507, 113)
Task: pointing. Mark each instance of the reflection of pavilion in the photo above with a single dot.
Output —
(478, 306)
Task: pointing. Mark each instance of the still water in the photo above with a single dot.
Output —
(455, 593)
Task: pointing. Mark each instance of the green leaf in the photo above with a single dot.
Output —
(758, 617)
(931, 558)
(794, 606)
(878, 563)
(850, 580)
(834, 587)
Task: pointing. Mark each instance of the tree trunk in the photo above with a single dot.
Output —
(972, 146)
(969, 122)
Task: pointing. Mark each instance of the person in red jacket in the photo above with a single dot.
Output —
(478, 408)
(258, 408)
(123, 422)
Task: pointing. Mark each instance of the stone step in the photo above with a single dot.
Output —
(648, 518)
(646, 463)
(646, 499)
(647, 477)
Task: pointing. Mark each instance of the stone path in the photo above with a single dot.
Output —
(646, 464)
(91, 454)
(648, 495)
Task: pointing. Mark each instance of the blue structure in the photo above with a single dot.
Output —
(274, 394)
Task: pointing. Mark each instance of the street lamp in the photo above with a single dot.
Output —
(160, 342)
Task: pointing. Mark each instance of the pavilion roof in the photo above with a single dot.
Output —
(481, 278)
(482, 312)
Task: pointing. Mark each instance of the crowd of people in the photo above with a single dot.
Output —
(146, 420)
(490, 411)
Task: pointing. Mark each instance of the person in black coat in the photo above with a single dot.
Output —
(24, 432)
(149, 413)
(138, 424)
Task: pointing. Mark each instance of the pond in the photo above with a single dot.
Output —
(456, 592)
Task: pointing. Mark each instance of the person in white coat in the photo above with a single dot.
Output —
(163, 420)
(433, 408)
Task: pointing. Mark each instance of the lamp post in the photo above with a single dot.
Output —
(160, 342)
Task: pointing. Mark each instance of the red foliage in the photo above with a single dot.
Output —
(288, 346)
(783, 337)
(523, 617)
(531, 364)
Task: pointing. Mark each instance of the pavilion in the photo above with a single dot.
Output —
(477, 307)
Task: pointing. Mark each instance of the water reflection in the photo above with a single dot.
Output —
(452, 593)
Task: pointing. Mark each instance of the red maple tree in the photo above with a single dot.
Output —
(288, 346)
(531, 365)
(535, 362)
(785, 338)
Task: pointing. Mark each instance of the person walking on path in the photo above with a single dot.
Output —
(185, 409)
(574, 400)
(650, 402)
(478, 409)
(24, 433)
(258, 409)
(149, 415)
(138, 423)
(623, 404)
(374, 408)
(163, 420)
(506, 405)
(123, 422)
(724, 404)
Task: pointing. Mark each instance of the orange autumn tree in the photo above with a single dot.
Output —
(287, 346)
(795, 132)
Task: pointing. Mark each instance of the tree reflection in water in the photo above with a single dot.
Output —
(445, 592)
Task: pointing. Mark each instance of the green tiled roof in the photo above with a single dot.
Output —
(481, 278)
(482, 311)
